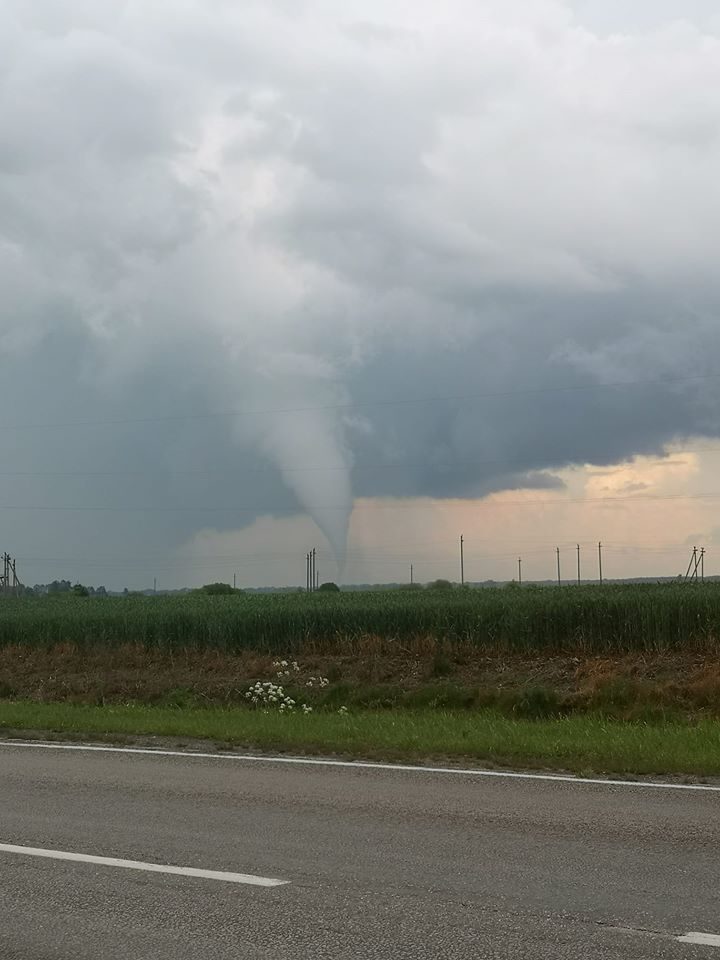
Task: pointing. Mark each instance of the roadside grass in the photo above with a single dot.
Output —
(581, 744)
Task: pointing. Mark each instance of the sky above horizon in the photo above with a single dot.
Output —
(364, 277)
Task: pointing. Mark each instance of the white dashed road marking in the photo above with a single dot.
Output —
(702, 939)
(139, 865)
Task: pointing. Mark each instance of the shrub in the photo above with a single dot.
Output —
(217, 589)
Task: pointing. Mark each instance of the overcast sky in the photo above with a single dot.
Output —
(365, 276)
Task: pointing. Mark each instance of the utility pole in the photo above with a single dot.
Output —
(9, 583)
(578, 565)
(317, 579)
(519, 571)
(462, 561)
(234, 581)
(702, 564)
(314, 568)
(557, 549)
(154, 585)
(600, 562)
(411, 575)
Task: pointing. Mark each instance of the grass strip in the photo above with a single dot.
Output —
(585, 744)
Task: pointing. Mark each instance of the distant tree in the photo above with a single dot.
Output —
(329, 588)
(60, 586)
(441, 585)
(218, 589)
(80, 591)
(411, 586)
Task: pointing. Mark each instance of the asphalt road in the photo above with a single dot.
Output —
(377, 863)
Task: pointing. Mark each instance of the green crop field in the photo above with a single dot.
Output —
(616, 619)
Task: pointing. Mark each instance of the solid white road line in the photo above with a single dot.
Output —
(361, 765)
(702, 939)
(139, 865)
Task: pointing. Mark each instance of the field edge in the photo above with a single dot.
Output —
(583, 746)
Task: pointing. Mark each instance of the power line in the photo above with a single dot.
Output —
(374, 557)
(293, 509)
(351, 405)
(352, 553)
(425, 464)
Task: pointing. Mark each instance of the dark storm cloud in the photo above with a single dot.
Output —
(268, 206)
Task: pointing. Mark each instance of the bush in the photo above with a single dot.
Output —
(217, 589)
(539, 703)
(329, 588)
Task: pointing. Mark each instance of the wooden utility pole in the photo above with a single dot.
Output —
(411, 575)
(6, 575)
(520, 571)
(578, 563)
(600, 562)
(9, 583)
(462, 561)
(702, 564)
(557, 549)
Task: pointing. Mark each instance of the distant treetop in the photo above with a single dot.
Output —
(218, 589)
(329, 588)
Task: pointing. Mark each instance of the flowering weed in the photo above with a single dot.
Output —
(267, 694)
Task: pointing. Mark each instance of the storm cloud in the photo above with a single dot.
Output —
(264, 258)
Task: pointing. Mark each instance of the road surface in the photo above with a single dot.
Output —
(374, 862)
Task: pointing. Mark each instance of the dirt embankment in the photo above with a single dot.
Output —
(378, 674)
